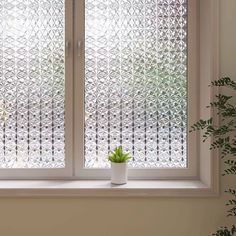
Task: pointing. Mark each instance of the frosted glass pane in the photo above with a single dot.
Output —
(136, 81)
(32, 83)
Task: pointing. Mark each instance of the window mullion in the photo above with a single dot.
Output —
(79, 35)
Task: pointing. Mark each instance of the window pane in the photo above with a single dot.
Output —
(32, 83)
(136, 81)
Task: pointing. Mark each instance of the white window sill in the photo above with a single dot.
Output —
(103, 188)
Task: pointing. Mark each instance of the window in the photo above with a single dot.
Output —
(136, 82)
(133, 87)
(32, 84)
(79, 78)
(33, 78)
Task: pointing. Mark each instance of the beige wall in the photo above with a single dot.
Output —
(134, 216)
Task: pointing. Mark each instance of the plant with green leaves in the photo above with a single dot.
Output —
(224, 138)
(119, 156)
(224, 231)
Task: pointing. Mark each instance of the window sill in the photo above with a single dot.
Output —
(103, 188)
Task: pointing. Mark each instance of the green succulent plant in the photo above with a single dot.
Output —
(119, 156)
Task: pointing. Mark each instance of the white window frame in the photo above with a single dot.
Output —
(192, 169)
(202, 180)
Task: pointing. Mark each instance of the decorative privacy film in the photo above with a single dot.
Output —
(32, 83)
(136, 81)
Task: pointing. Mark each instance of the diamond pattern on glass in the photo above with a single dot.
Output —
(32, 83)
(136, 81)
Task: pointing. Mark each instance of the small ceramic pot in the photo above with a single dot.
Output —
(119, 173)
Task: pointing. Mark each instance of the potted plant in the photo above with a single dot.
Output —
(118, 159)
(224, 136)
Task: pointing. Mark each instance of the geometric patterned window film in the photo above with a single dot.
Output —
(136, 81)
(32, 83)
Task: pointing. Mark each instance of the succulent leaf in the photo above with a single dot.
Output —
(119, 156)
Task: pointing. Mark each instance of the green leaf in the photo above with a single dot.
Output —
(226, 81)
(224, 231)
(223, 136)
(118, 156)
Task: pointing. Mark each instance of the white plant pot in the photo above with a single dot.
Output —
(119, 173)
